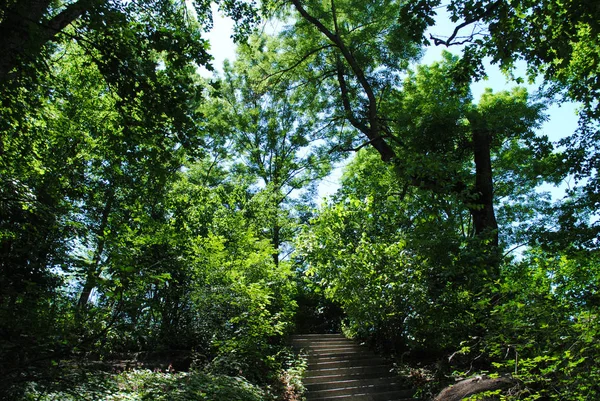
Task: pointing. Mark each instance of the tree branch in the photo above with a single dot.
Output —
(298, 62)
(448, 42)
(346, 99)
(341, 149)
(385, 151)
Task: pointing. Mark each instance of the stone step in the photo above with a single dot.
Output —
(333, 377)
(387, 396)
(371, 390)
(336, 350)
(334, 344)
(341, 382)
(317, 336)
(358, 354)
(323, 344)
(321, 340)
(351, 370)
(340, 357)
(344, 363)
(337, 344)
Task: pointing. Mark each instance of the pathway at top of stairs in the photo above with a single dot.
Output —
(339, 370)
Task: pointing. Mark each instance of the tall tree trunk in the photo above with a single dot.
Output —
(483, 214)
(484, 217)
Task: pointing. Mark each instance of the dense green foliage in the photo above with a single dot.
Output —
(146, 385)
(147, 212)
(409, 248)
(117, 235)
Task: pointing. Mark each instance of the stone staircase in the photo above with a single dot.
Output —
(339, 369)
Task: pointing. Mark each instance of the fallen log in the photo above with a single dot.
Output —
(474, 385)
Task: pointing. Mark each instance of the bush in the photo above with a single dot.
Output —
(145, 385)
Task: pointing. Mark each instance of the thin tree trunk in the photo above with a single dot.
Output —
(276, 243)
(93, 272)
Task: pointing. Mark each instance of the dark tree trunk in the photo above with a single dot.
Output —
(484, 217)
(25, 29)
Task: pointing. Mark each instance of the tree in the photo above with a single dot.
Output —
(339, 37)
(280, 143)
(79, 161)
(405, 262)
(221, 292)
(559, 42)
(28, 27)
(343, 34)
(361, 56)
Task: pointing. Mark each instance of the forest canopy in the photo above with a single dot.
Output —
(149, 213)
